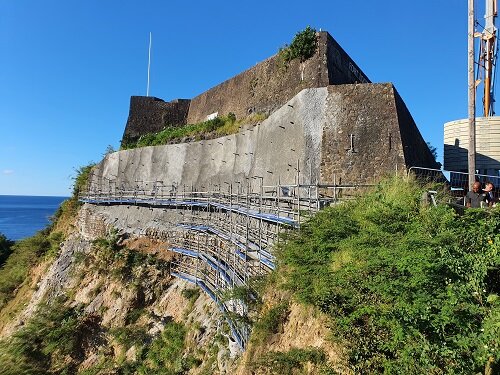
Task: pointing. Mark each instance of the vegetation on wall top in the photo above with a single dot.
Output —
(303, 46)
(209, 129)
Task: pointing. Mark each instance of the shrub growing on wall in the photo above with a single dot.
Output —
(303, 46)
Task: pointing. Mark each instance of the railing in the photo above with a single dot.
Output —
(227, 231)
(456, 181)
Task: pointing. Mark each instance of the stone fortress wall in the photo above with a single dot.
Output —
(148, 114)
(343, 134)
(261, 89)
(324, 114)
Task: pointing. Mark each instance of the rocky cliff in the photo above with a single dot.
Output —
(106, 304)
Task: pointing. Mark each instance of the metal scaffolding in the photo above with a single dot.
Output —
(227, 232)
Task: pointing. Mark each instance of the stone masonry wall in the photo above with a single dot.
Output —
(341, 68)
(268, 85)
(148, 114)
(363, 112)
(313, 129)
(260, 89)
(361, 137)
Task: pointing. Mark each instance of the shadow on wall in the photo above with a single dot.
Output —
(456, 158)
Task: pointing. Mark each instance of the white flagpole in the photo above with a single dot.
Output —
(149, 62)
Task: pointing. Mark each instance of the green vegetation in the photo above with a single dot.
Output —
(63, 219)
(270, 322)
(164, 355)
(81, 179)
(303, 46)
(248, 294)
(5, 249)
(47, 342)
(191, 294)
(25, 254)
(109, 257)
(287, 362)
(409, 289)
(209, 129)
(54, 339)
(129, 336)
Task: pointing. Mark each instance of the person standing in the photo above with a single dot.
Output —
(475, 198)
(489, 188)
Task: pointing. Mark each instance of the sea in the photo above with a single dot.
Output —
(22, 216)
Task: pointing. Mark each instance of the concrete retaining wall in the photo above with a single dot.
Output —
(269, 150)
(314, 129)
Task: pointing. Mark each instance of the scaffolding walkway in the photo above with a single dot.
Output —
(227, 231)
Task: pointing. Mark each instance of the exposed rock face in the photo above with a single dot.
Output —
(56, 280)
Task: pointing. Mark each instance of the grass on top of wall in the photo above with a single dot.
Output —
(209, 129)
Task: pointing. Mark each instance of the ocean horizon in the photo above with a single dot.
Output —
(21, 216)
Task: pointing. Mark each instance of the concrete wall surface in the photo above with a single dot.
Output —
(344, 133)
(270, 150)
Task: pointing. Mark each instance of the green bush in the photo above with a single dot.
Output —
(134, 314)
(130, 336)
(81, 179)
(48, 343)
(231, 117)
(270, 322)
(191, 294)
(303, 46)
(5, 248)
(164, 355)
(171, 134)
(410, 290)
(287, 362)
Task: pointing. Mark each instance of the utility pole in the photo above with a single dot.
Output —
(472, 99)
(489, 49)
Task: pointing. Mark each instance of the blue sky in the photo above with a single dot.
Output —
(68, 68)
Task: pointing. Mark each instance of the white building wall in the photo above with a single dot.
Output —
(456, 143)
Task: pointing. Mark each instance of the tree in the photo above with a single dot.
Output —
(433, 150)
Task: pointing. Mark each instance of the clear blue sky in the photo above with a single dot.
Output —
(68, 68)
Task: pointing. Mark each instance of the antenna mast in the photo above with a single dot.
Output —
(487, 56)
(149, 63)
(471, 159)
